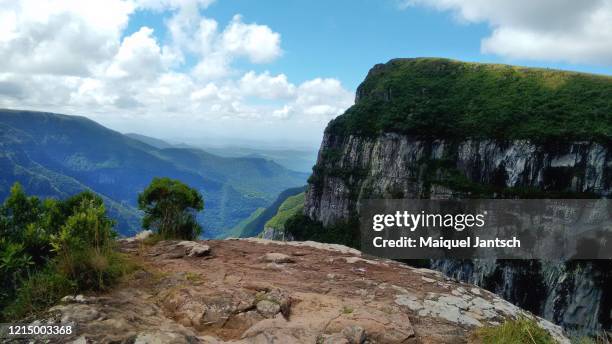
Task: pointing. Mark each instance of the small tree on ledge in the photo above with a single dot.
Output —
(170, 209)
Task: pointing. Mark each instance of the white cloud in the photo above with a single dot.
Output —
(60, 37)
(160, 5)
(257, 42)
(559, 30)
(73, 57)
(319, 100)
(266, 86)
(215, 50)
(212, 66)
(284, 112)
(138, 57)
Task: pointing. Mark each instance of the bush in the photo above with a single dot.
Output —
(84, 246)
(53, 248)
(14, 265)
(520, 331)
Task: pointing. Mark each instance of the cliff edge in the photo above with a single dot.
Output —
(259, 291)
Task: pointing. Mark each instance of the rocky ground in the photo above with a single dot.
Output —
(258, 291)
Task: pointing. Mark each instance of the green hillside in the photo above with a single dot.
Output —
(291, 206)
(54, 155)
(442, 98)
(237, 230)
(256, 225)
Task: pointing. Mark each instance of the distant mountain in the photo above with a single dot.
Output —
(259, 219)
(151, 141)
(300, 160)
(56, 155)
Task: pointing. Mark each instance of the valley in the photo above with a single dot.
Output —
(54, 155)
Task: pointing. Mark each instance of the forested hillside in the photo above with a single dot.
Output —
(54, 155)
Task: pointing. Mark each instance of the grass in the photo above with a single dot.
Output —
(39, 292)
(450, 99)
(152, 239)
(47, 287)
(193, 277)
(347, 310)
(519, 331)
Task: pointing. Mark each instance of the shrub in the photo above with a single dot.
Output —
(52, 248)
(14, 265)
(84, 245)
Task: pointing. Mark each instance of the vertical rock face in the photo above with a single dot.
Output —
(354, 164)
(399, 166)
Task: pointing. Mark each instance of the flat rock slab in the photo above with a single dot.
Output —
(324, 294)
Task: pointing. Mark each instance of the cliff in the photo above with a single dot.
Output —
(260, 291)
(435, 128)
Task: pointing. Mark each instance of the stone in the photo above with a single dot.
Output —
(180, 249)
(142, 235)
(268, 308)
(78, 313)
(80, 298)
(276, 258)
(354, 334)
(281, 298)
(67, 299)
(336, 338)
(195, 249)
(80, 340)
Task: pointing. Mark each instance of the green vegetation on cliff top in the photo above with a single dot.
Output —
(442, 98)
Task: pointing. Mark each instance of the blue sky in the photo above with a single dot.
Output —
(345, 38)
(274, 71)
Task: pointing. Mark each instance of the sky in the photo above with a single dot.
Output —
(264, 72)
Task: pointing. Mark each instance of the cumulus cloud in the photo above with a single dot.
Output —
(322, 99)
(73, 56)
(266, 86)
(559, 30)
(160, 5)
(138, 56)
(257, 42)
(60, 36)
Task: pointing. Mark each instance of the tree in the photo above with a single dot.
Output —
(170, 208)
(17, 212)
